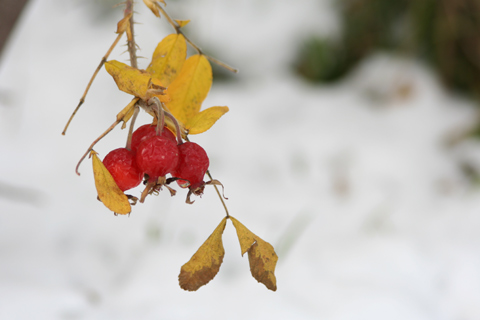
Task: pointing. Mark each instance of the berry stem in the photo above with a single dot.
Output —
(160, 120)
(177, 127)
(216, 189)
(156, 106)
(128, 146)
(219, 196)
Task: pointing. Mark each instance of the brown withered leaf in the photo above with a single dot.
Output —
(205, 263)
(263, 259)
(261, 255)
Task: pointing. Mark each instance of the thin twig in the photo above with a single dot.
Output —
(82, 99)
(178, 30)
(95, 142)
(133, 61)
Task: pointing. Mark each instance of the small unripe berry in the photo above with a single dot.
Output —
(192, 165)
(147, 131)
(157, 156)
(123, 168)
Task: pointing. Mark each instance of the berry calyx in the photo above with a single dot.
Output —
(192, 165)
(122, 166)
(147, 131)
(157, 156)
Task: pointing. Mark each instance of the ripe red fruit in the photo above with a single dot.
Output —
(123, 168)
(157, 156)
(147, 131)
(192, 165)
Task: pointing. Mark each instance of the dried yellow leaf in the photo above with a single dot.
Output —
(124, 24)
(205, 263)
(108, 191)
(134, 81)
(168, 58)
(190, 88)
(182, 23)
(205, 119)
(261, 255)
(152, 5)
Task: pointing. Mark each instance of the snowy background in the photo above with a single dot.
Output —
(356, 185)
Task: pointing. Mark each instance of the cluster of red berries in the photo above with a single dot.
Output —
(152, 156)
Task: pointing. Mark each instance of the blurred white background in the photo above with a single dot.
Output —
(369, 211)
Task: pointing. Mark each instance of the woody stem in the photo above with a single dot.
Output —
(131, 45)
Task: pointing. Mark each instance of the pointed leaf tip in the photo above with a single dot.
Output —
(205, 119)
(205, 263)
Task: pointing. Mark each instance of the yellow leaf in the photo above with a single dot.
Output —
(168, 58)
(204, 120)
(152, 5)
(190, 88)
(133, 81)
(108, 191)
(261, 255)
(182, 23)
(205, 263)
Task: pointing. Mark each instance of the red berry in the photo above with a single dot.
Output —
(157, 156)
(123, 168)
(192, 165)
(147, 131)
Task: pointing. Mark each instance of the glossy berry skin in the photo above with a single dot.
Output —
(147, 131)
(192, 165)
(157, 156)
(122, 166)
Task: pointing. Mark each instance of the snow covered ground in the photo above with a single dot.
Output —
(354, 184)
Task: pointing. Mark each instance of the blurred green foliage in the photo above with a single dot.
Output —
(444, 33)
